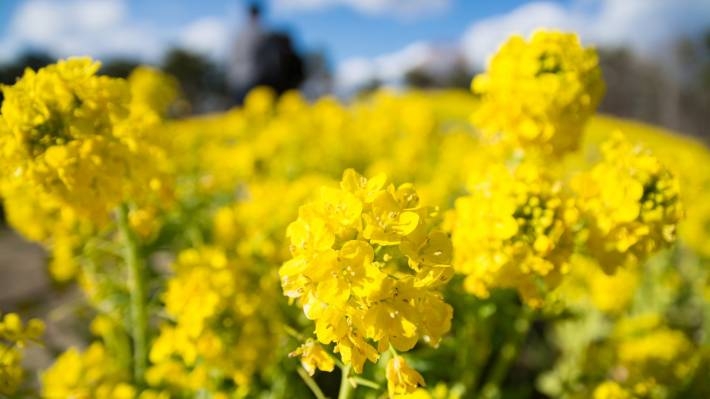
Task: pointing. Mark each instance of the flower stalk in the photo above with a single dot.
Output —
(346, 388)
(508, 353)
(135, 265)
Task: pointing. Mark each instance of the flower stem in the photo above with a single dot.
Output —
(346, 390)
(366, 383)
(508, 354)
(312, 385)
(136, 288)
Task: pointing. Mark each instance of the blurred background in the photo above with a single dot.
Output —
(655, 54)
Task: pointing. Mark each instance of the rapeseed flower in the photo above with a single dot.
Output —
(538, 93)
(14, 336)
(515, 229)
(636, 218)
(401, 378)
(366, 267)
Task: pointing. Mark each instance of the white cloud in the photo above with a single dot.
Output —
(482, 38)
(95, 15)
(405, 8)
(353, 73)
(390, 69)
(102, 28)
(209, 35)
(645, 26)
(8, 50)
(79, 27)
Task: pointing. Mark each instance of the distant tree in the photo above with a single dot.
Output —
(319, 78)
(674, 92)
(119, 67)
(369, 87)
(33, 59)
(420, 77)
(11, 71)
(705, 70)
(458, 76)
(693, 61)
(202, 82)
(633, 86)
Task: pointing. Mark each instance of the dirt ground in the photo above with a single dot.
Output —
(25, 287)
(23, 280)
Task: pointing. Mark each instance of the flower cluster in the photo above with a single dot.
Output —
(515, 229)
(366, 267)
(92, 373)
(65, 113)
(188, 283)
(14, 335)
(314, 357)
(611, 390)
(588, 284)
(639, 216)
(61, 230)
(642, 358)
(254, 225)
(99, 371)
(539, 92)
(69, 137)
(223, 331)
(402, 378)
(648, 350)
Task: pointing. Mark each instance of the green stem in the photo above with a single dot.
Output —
(365, 382)
(473, 358)
(312, 385)
(346, 390)
(136, 288)
(508, 354)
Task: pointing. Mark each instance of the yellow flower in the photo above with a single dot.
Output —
(88, 375)
(313, 357)
(12, 329)
(152, 89)
(514, 230)
(644, 356)
(402, 379)
(71, 137)
(611, 390)
(14, 336)
(612, 294)
(11, 372)
(144, 222)
(639, 215)
(221, 330)
(538, 93)
(366, 266)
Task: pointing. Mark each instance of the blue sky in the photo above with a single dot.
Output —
(344, 31)
(361, 38)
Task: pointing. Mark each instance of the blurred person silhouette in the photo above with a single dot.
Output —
(262, 58)
(241, 71)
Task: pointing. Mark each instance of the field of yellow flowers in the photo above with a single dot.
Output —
(501, 243)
